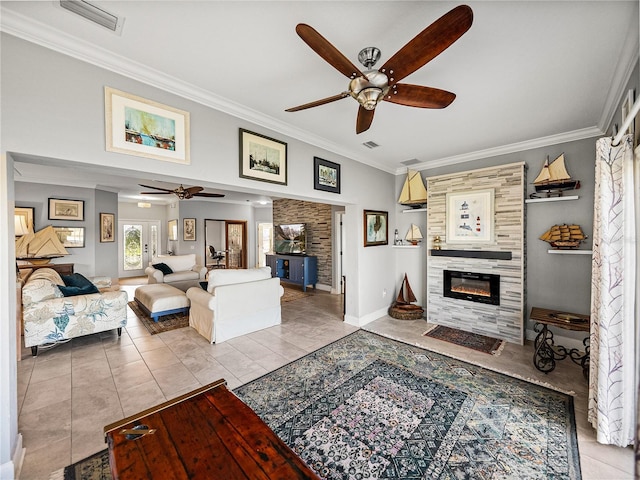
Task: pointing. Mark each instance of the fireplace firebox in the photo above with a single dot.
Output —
(476, 287)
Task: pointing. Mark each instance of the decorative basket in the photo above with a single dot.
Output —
(403, 314)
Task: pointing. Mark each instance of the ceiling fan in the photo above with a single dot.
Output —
(181, 192)
(372, 86)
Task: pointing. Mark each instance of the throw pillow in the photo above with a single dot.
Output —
(163, 267)
(73, 291)
(76, 280)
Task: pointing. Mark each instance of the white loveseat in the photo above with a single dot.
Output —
(50, 317)
(235, 303)
(184, 271)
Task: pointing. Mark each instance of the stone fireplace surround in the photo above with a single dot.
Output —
(504, 256)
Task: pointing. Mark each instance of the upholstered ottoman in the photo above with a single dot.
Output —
(161, 299)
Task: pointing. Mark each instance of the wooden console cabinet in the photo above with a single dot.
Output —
(206, 434)
(61, 268)
(299, 269)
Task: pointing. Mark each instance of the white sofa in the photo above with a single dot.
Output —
(235, 303)
(50, 317)
(185, 272)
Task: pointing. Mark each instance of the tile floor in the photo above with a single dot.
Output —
(67, 394)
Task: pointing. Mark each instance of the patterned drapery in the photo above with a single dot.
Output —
(612, 382)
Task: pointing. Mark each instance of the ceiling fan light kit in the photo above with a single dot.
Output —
(370, 87)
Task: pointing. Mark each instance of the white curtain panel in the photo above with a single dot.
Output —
(614, 283)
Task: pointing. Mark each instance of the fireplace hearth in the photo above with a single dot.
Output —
(475, 287)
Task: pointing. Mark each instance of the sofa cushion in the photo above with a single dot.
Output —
(177, 263)
(230, 277)
(163, 267)
(72, 291)
(76, 280)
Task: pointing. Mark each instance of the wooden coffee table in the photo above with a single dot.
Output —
(206, 434)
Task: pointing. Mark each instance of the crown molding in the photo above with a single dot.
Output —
(507, 149)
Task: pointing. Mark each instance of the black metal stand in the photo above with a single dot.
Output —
(546, 352)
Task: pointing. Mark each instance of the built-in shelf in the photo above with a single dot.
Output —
(411, 210)
(551, 199)
(571, 252)
(491, 255)
(405, 246)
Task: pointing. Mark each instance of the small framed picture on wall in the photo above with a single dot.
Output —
(189, 230)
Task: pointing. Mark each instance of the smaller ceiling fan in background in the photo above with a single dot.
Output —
(372, 86)
(181, 192)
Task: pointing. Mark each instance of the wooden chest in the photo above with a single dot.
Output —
(206, 434)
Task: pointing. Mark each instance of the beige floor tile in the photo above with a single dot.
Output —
(140, 397)
(175, 378)
(131, 374)
(46, 393)
(46, 425)
(159, 357)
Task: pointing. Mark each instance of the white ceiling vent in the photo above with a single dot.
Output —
(94, 14)
(371, 144)
(413, 161)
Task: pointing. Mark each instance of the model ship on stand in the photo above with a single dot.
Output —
(414, 235)
(404, 308)
(564, 236)
(414, 193)
(553, 179)
(40, 247)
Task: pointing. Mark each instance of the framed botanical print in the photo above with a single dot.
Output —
(107, 221)
(172, 229)
(189, 229)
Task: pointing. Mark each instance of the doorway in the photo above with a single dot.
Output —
(139, 243)
(225, 243)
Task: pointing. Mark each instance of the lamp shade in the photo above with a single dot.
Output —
(20, 225)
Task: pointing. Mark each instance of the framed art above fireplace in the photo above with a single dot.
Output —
(470, 216)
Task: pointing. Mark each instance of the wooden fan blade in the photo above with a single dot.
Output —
(326, 50)
(365, 117)
(193, 190)
(156, 193)
(213, 195)
(156, 188)
(317, 103)
(428, 44)
(419, 96)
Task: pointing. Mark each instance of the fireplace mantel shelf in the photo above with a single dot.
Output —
(492, 255)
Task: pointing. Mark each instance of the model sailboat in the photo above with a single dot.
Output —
(564, 236)
(414, 235)
(40, 247)
(404, 308)
(414, 193)
(553, 179)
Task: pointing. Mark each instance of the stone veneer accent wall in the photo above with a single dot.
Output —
(502, 321)
(317, 217)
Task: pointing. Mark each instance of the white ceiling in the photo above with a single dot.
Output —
(526, 74)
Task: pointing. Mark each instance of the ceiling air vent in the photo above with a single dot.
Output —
(413, 161)
(94, 14)
(370, 144)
